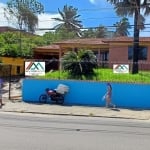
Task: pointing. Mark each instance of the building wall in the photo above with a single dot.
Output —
(90, 92)
(118, 53)
(17, 64)
(148, 54)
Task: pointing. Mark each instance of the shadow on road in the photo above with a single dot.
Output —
(115, 109)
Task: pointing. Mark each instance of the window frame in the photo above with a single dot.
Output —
(142, 49)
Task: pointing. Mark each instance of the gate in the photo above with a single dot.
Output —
(12, 86)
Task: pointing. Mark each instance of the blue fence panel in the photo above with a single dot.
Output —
(90, 92)
(131, 95)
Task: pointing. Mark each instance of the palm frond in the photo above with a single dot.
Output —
(69, 19)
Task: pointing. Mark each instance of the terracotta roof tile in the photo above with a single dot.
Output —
(87, 41)
(124, 39)
(56, 47)
(97, 41)
(92, 41)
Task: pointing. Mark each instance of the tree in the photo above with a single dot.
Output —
(122, 27)
(23, 13)
(133, 8)
(69, 20)
(78, 63)
(9, 44)
(89, 33)
(101, 32)
(62, 34)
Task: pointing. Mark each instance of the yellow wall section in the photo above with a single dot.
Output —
(17, 64)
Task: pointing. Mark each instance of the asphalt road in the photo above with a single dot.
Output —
(41, 132)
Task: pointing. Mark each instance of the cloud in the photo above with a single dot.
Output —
(3, 21)
(92, 1)
(45, 21)
(95, 1)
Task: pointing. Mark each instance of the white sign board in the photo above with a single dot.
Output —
(120, 68)
(34, 68)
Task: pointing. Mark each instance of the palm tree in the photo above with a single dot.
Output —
(78, 63)
(122, 27)
(132, 8)
(69, 20)
(101, 32)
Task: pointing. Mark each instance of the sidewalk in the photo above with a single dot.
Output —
(19, 106)
(52, 109)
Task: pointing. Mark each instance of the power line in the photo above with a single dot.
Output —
(82, 19)
(113, 26)
(98, 9)
(95, 9)
(110, 26)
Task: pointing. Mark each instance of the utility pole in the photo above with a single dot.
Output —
(135, 67)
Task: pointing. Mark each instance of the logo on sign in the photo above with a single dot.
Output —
(34, 68)
(120, 68)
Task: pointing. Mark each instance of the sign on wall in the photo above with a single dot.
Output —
(120, 68)
(34, 68)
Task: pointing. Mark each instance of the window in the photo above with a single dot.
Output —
(142, 53)
(104, 55)
(18, 69)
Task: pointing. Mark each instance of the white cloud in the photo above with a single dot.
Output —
(3, 20)
(45, 20)
(92, 1)
(95, 1)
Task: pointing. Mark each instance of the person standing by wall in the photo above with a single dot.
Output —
(1, 86)
(108, 96)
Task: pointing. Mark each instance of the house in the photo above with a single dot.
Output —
(50, 54)
(108, 50)
(17, 65)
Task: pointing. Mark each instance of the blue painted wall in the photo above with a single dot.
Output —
(90, 92)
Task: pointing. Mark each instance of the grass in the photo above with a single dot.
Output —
(103, 75)
(108, 75)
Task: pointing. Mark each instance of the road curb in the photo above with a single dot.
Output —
(64, 114)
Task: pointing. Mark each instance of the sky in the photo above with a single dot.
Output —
(93, 13)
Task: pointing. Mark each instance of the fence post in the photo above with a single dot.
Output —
(10, 68)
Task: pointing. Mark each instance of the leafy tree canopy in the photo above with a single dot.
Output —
(10, 44)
